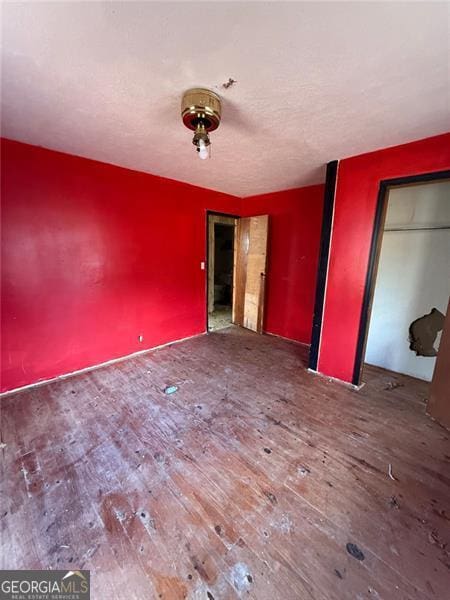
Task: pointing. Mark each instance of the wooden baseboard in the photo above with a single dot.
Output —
(352, 386)
(282, 337)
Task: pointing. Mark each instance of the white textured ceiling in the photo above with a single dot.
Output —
(315, 82)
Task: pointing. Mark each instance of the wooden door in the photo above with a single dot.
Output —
(439, 400)
(250, 272)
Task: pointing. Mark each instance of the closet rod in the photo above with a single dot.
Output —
(418, 228)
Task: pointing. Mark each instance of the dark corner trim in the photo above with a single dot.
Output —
(370, 276)
(327, 222)
(363, 323)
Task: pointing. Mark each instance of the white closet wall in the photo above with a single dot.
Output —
(413, 275)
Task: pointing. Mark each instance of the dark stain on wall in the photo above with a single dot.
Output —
(423, 333)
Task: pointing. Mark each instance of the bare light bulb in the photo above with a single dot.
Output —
(203, 150)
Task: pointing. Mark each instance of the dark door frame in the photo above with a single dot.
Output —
(217, 214)
(375, 247)
(322, 270)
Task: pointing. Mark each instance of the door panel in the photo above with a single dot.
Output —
(250, 272)
(439, 399)
(240, 270)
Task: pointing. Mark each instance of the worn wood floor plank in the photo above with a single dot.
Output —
(248, 482)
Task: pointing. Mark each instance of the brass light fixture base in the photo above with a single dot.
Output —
(201, 107)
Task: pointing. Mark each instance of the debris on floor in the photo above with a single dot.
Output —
(284, 524)
(354, 551)
(390, 473)
(433, 538)
(170, 389)
(159, 457)
(145, 518)
(393, 502)
(2, 445)
(241, 577)
(392, 385)
(303, 471)
(271, 497)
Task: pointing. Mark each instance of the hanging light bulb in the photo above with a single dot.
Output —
(201, 140)
(203, 151)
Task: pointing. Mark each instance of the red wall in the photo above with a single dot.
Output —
(357, 186)
(93, 256)
(295, 218)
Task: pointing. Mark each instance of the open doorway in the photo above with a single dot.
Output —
(236, 275)
(221, 242)
(409, 277)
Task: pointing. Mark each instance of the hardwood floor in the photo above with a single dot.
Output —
(248, 482)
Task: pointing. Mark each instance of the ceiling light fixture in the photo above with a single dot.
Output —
(201, 111)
